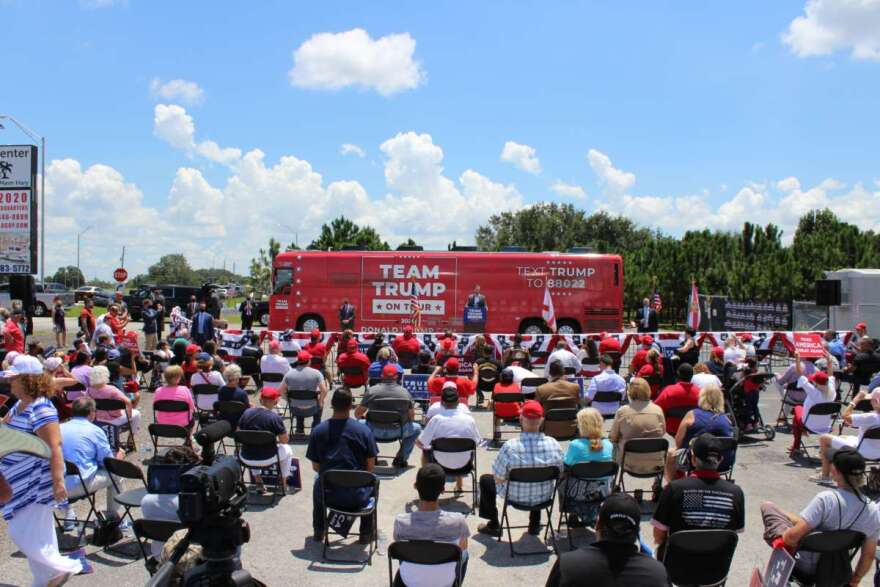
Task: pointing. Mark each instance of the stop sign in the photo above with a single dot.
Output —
(120, 275)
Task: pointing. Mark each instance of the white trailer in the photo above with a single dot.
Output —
(859, 299)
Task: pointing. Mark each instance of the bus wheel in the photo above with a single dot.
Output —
(568, 327)
(533, 327)
(309, 322)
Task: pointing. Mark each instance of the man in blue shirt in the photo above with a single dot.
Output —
(835, 347)
(85, 445)
(341, 443)
(607, 380)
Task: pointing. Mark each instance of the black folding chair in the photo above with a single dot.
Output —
(570, 371)
(870, 434)
(529, 385)
(204, 396)
(829, 542)
(120, 469)
(548, 475)
(561, 415)
(608, 397)
(71, 470)
(699, 557)
(862, 407)
(158, 431)
(157, 531)
(260, 439)
(824, 409)
(299, 395)
(353, 372)
(271, 377)
(793, 396)
(459, 445)
(643, 446)
(339, 479)
(387, 418)
(231, 411)
(499, 421)
(423, 552)
(574, 489)
(109, 405)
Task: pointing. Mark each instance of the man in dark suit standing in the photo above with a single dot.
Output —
(646, 318)
(247, 309)
(476, 299)
(192, 307)
(159, 300)
(202, 326)
(346, 316)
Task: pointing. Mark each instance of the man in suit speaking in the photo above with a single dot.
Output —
(646, 318)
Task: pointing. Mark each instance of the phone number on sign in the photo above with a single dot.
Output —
(557, 283)
(6, 268)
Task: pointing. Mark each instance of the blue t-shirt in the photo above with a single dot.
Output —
(260, 419)
(579, 452)
(376, 367)
(342, 444)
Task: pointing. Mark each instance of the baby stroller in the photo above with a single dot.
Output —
(746, 415)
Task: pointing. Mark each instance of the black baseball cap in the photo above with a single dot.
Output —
(707, 448)
(849, 461)
(449, 394)
(619, 518)
(507, 375)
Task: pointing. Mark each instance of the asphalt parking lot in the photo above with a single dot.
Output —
(281, 550)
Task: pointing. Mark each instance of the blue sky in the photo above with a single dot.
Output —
(678, 116)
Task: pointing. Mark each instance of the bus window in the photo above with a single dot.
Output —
(283, 279)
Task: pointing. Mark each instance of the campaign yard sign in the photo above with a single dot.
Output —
(416, 385)
(18, 209)
(809, 345)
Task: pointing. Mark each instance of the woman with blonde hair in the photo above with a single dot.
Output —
(640, 418)
(37, 483)
(582, 497)
(707, 417)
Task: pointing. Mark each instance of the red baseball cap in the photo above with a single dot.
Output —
(269, 393)
(819, 378)
(304, 356)
(193, 349)
(315, 332)
(861, 326)
(647, 340)
(389, 370)
(274, 345)
(532, 410)
(407, 329)
(718, 351)
(747, 337)
(603, 334)
(451, 363)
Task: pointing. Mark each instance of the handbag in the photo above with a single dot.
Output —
(106, 531)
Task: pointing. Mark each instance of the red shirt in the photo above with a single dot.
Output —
(639, 360)
(507, 409)
(466, 387)
(647, 372)
(89, 318)
(13, 337)
(317, 349)
(681, 394)
(114, 324)
(356, 360)
(609, 344)
(403, 344)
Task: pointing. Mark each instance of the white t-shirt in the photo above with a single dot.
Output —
(817, 424)
(701, 380)
(870, 449)
(520, 373)
(450, 424)
(274, 364)
(567, 358)
(734, 354)
(437, 408)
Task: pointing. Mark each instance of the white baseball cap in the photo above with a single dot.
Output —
(23, 365)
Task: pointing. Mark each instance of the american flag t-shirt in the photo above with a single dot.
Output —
(707, 508)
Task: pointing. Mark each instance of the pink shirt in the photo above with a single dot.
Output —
(179, 393)
(106, 392)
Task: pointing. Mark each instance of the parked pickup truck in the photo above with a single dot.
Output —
(44, 294)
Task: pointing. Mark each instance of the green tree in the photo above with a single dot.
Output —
(408, 243)
(70, 276)
(170, 269)
(342, 231)
(261, 266)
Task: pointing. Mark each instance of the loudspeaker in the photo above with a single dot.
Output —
(21, 287)
(828, 292)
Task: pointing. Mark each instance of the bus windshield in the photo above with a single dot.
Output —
(283, 279)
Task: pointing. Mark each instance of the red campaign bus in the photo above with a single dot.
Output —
(461, 291)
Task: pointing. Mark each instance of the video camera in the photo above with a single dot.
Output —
(211, 500)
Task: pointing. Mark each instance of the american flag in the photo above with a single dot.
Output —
(415, 308)
(656, 302)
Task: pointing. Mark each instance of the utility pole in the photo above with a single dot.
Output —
(78, 235)
(122, 258)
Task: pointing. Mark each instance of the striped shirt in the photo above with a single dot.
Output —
(29, 476)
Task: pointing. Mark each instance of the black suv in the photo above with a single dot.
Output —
(175, 295)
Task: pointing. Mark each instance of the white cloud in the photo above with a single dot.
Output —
(523, 156)
(615, 180)
(831, 25)
(177, 90)
(788, 184)
(172, 124)
(350, 149)
(560, 188)
(332, 61)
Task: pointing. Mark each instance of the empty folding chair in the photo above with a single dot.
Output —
(339, 479)
(699, 557)
(423, 552)
(156, 531)
(549, 476)
(120, 469)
